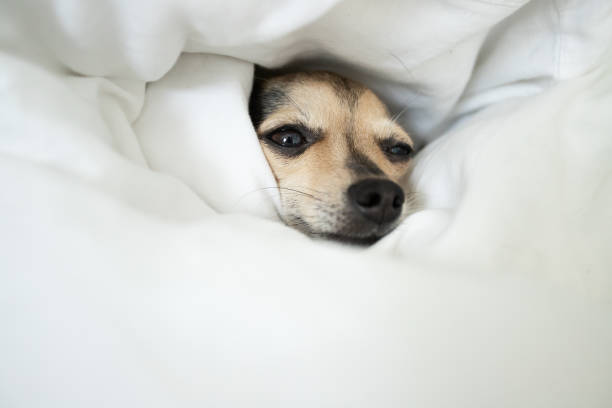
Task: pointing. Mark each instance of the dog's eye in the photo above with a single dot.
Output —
(288, 137)
(400, 149)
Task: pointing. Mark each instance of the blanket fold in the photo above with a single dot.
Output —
(142, 262)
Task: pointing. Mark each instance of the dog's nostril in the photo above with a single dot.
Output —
(398, 201)
(369, 200)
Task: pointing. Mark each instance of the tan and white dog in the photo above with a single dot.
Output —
(338, 157)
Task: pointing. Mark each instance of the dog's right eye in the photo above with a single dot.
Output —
(287, 137)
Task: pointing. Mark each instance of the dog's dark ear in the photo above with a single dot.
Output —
(265, 100)
(255, 101)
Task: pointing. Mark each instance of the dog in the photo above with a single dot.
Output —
(339, 158)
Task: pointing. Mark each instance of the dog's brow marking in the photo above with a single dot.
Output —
(361, 164)
(346, 91)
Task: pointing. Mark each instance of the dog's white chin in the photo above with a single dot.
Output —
(351, 233)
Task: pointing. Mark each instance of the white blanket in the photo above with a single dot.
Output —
(142, 263)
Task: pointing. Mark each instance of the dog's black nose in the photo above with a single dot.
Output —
(377, 200)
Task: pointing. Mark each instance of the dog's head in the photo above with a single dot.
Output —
(338, 157)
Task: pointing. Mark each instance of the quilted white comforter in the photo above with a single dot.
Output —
(142, 263)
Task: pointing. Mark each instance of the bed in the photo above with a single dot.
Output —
(142, 261)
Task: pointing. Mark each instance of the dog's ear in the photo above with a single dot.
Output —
(267, 95)
(255, 101)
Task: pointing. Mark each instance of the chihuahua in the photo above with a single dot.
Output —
(338, 157)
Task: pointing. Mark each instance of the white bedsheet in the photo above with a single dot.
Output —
(142, 263)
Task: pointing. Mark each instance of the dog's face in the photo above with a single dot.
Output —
(338, 157)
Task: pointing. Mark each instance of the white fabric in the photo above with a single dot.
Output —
(141, 262)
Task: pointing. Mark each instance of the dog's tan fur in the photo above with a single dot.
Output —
(351, 120)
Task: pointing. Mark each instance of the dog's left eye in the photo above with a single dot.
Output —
(288, 137)
(400, 149)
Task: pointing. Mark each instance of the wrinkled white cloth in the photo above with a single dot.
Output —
(142, 263)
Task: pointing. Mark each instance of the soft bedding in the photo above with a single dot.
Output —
(142, 262)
